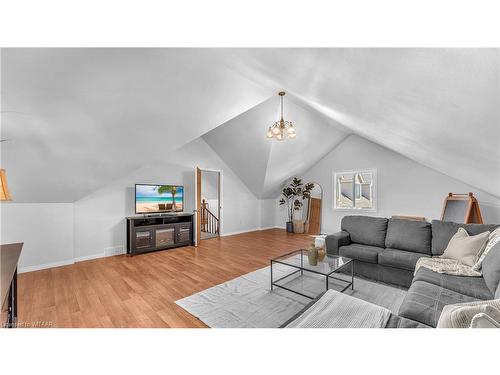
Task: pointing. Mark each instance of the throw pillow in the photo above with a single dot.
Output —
(460, 315)
(492, 241)
(491, 268)
(483, 320)
(465, 248)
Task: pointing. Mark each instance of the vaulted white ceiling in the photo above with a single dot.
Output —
(77, 119)
(264, 164)
(439, 107)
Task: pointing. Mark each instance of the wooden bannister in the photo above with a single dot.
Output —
(209, 222)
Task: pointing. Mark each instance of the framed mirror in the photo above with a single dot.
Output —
(312, 210)
(355, 190)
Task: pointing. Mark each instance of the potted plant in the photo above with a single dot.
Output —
(292, 196)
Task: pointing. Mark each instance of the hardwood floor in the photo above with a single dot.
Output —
(140, 291)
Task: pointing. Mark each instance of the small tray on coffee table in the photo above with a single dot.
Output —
(299, 260)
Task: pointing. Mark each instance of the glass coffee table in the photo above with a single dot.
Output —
(299, 260)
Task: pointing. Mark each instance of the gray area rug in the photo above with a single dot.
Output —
(248, 302)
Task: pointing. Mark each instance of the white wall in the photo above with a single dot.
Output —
(209, 190)
(100, 217)
(404, 187)
(60, 233)
(131, 104)
(268, 209)
(46, 230)
(263, 164)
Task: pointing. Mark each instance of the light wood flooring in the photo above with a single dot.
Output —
(140, 291)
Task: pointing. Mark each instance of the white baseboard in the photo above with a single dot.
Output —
(112, 251)
(239, 232)
(89, 257)
(115, 250)
(45, 266)
(273, 227)
(247, 231)
(107, 253)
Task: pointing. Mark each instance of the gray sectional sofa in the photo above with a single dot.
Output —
(387, 250)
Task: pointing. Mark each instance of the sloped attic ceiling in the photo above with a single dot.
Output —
(439, 107)
(80, 118)
(77, 119)
(264, 164)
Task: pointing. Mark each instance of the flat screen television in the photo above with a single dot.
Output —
(151, 199)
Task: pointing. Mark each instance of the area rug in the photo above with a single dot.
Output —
(248, 302)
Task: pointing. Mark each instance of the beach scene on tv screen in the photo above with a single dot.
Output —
(158, 198)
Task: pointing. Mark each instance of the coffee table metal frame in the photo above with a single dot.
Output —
(301, 269)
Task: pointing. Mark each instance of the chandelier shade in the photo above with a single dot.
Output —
(281, 129)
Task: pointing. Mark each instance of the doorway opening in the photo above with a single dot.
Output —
(312, 210)
(209, 207)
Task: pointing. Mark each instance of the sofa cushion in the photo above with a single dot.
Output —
(360, 252)
(483, 320)
(424, 302)
(399, 258)
(471, 286)
(396, 321)
(464, 248)
(491, 268)
(334, 241)
(442, 231)
(409, 235)
(366, 230)
(460, 315)
(492, 241)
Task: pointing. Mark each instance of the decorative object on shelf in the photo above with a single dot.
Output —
(290, 197)
(298, 226)
(4, 190)
(312, 255)
(281, 128)
(355, 190)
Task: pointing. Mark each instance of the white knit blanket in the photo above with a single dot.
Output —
(338, 310)
(444, 265)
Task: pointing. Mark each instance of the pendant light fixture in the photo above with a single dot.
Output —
(281, 129)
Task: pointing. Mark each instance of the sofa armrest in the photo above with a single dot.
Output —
(483, 320)
(334, 241)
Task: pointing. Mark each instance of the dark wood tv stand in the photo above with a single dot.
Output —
(159, 232)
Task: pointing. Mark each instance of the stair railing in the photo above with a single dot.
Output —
(209, 222)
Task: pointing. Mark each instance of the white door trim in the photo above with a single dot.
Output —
(221, 194)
